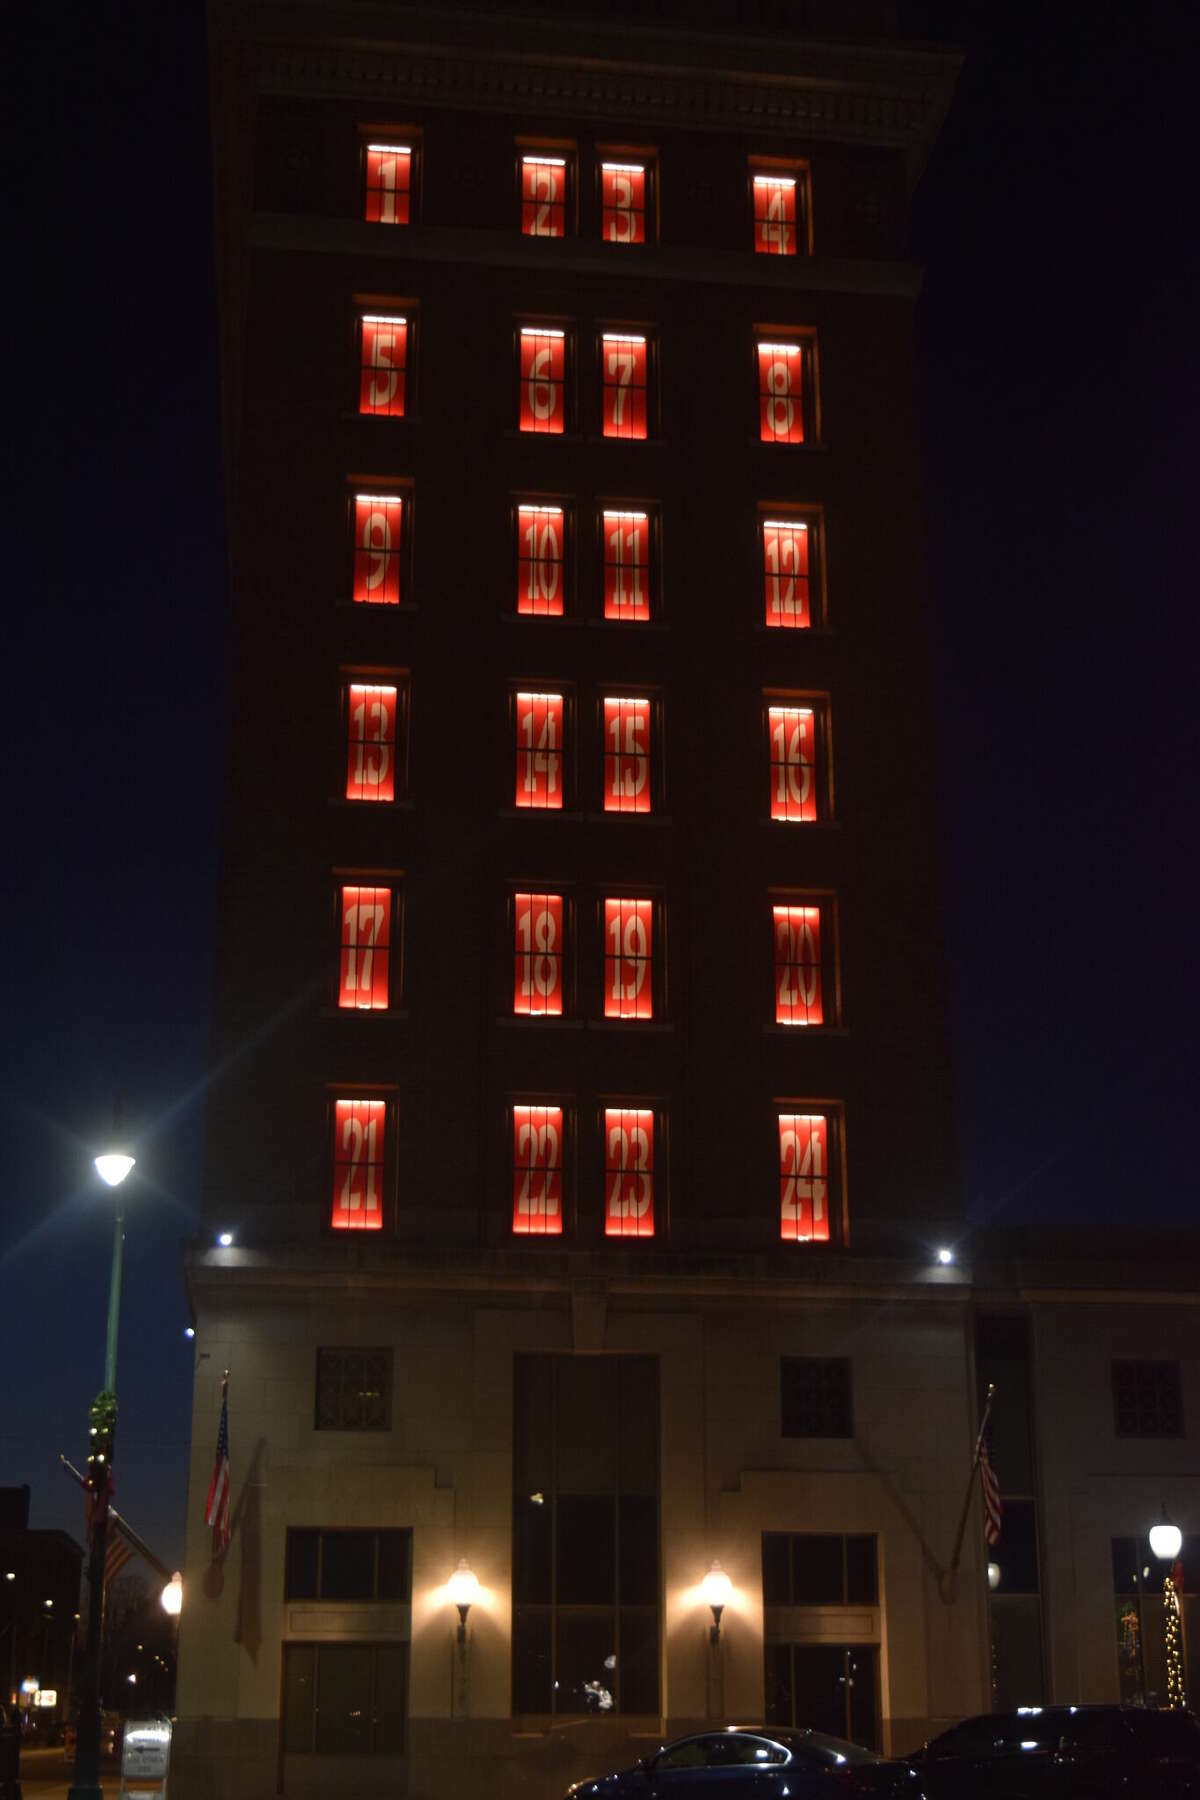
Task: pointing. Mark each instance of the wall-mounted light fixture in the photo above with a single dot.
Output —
(993, 1574)
(715, 1590)
(171, 1598)
(463, 1589)
(1166, 1539)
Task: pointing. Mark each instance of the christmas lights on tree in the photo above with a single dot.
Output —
(1175, 1694)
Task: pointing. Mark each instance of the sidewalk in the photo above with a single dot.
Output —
(47, 1775)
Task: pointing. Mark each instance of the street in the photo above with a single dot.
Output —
(47, 1774)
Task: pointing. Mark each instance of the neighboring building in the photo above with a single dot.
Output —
(583, 1123)
(39, 1606)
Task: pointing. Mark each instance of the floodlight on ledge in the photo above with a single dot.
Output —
(463, 1589)
(1166, 1539)
(225, 1239)
(715, 1591)
(945, 1256)
(113, 1169)
(171, 1598)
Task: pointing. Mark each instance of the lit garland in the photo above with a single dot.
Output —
(1175, 1694)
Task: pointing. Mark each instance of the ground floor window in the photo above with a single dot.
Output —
(348, 1698)
(1142, 1627)
(825, 1687)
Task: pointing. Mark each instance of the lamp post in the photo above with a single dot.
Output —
(1166, 1541)
(112, 1170)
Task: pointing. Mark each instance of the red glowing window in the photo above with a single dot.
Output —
(785, 573)
(363, 980)
(371, 743)
(538, 955)
(540, 555)
(543, 379)
(383, 365)
(537, 1170)
(628, 940)
(539, 751)
(798, 965)
(377, 527)
(775, 215)
(624, 365)
(781, 393)
(628, 1172)
(627, 756)
(793, 763)
(626, 565)
(544, 196)
(623, 202)
(804, 1178)
(360, 1128)
(389, 183)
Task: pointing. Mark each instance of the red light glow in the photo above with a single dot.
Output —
(389, 183)
(798, 965)
(538, 955)
(371, 743)
(623, 203)
(539, 751)
(628, 1172)
(384, 357)
(624, 385)
(540, 561)
(793, 764)
(626, 565)
(780, 393)
(377, 525)
(543, 365)
(543, 196)
(775, 215)
(358, 1149)
(785, 573)
(366, 948)
(628, 988)
(537, 1170)
(627, 755)
(803, 1178)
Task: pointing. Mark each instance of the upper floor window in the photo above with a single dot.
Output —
(389, 184)
(816, 1398)
(628, 564)
(775, 214)
(538, 955)
(1147, 1399)
(348, 1565)
(804, 1146)
(629, 1171)
(378, 533)
(542, 371)
(811, 1569)
(627, 786)
(798, 784)
(798, 973)
(383, 365)
(785, 400)
(623, 202)
(365, 961)
(539, 747)
(789, 571)
(359, 1147)
(372, 740)
(541, 558)
(545, 181)
(628, 959)
(625, 382)
(354, 1390)
(537, 1170)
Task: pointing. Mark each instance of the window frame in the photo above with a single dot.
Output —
(525, 326)
(326, 1646)
(608, 893)
(563, 1101)
(804, 338)
(392, 880)
(386, 1094)
(818, 704)
(1134, 1369)
(651, 510)
(522, 504)
(786, 169)
(385, 1351)
(606, 158)
(390, 309)
(510, 955)
(655, 755)
(387, 492)
(833, 1112)
(532, 150)
(356, 675)
(812, 517)
(550, 686)
(791, 1410)
(375, 138)
(792, 1537)
(660, 1167)
(609, 331)
(825, 901)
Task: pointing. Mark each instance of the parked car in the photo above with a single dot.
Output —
(1072, 1752)
(112, 1730)
(742, 1762)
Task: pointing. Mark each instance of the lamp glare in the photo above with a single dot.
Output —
(113, 1169)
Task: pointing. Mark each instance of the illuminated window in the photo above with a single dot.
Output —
(538, 948)
(359, 1143)
(378, 521)
(539, 719)
(781, 393)
(804, 1177)
(389, 184)
(628, 964)
(798, 965)
(371, 742)
(364, 977)
(626, 755)
(537, 1170)
(785, 544)
(624, 380)
(623, 202)
(541, 555)
(544, 195)
(775, 215)
(626, 565)
(383, 365)
(628, 1171)
(543, 358)
(791, 732)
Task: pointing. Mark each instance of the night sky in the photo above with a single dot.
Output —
(1058, 342)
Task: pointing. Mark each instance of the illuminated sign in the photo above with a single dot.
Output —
(803, 1178)
(626, 565)
(785, 573)
(628, 1172)
(358, 1147)
(798, 965)
(543, 196)
(780, 393)
(365, 948)
(623, 359)
(384, 354)
(389, 183)
(793, 760)
(626, 755)
(628, 988)
(538, 955)
(775, 215)
(377, 522)
(539, 751)
(623, 203)
(371, 742)
(540, 560)
(46, 1697)
(537, 1170)
(543, 377)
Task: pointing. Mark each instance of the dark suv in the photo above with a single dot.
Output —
(1076, 1752)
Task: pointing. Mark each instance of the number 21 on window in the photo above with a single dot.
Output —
(358, 1165)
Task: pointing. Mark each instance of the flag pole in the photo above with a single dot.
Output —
(948, 1582)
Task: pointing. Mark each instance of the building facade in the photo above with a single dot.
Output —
(581, 1133)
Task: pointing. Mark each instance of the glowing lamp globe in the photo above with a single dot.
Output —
(172, 1595)
(463, 1585)
(1166, 1540)
(993, 1574)
(716, 1588)
(113, 1169)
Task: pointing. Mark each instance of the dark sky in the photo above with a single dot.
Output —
(1058, 339)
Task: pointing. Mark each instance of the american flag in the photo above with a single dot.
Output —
(216, 1511)
(116, 1553)
(993, 1505)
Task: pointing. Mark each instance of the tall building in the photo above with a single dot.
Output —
(582, 1132)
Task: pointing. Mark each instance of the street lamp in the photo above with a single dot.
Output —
(715, 1591)
(171, 1597)
(1166, 1541)
(112, 1169)
(463, 1589)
